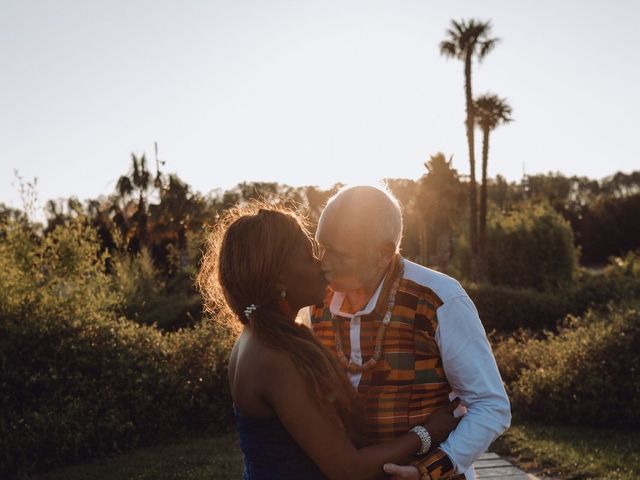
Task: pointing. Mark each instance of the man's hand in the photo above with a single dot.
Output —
(398, 472)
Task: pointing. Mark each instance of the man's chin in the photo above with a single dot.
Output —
(343, 285)
(337, 287)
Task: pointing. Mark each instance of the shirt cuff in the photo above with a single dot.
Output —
(434, 466)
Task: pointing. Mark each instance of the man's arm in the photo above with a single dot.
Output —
(473, 374)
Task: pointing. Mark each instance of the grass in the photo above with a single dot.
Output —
(562, 452)
(573, 452)
(205, 458)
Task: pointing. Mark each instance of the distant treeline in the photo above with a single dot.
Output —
(161, 213)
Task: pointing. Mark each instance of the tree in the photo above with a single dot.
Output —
(138, 179)
(490, 112)
(439, 197)
(531, 246)
(465, 40)
(407, 192)
(179, 212)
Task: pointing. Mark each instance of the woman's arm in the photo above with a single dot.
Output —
(320, 436)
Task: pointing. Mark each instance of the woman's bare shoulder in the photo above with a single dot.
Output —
(264, 361)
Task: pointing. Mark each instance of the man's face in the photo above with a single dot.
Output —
(348, 263)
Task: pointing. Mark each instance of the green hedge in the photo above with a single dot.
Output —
(587, 373)
(507, 309)
(75, 389)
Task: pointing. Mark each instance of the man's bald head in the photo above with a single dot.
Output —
(372, 213)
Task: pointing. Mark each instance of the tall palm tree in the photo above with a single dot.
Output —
(466, 40)
(490, 112)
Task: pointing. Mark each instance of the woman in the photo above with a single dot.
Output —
(296, 412)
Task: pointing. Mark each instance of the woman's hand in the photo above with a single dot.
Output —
(442, 422)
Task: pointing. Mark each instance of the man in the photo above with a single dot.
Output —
(431, 347)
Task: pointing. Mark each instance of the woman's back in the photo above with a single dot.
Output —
(269, 450)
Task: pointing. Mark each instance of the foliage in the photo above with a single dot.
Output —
(609, 226)
(75, 380)
(603, 214)
(136, 279)
(507, 309)
(531, 247)
(439, 199)
(60, 274)
(617, 282)
(584, 374)
(8, 214)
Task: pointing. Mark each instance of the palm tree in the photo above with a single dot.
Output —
(138, 179)
(490, 112)
(466, 39)
(141, 181)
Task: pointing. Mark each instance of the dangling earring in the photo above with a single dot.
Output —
(283, 304)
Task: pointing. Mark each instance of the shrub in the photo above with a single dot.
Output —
(58, 275)
(76, 381)
(171, 312)
(69, 391)
(530, 247)
(507, 309)
(147, 299)
(609, 225)
(136, 280)
(618, 281)
(586, 373)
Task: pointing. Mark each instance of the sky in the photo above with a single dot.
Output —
(306, 92)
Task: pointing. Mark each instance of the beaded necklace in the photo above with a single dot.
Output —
(377, 351)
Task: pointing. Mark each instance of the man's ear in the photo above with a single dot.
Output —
(386, 251)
